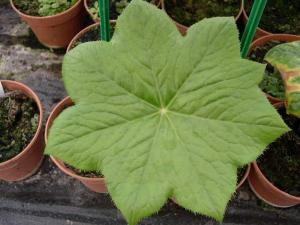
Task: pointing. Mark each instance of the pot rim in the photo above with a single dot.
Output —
(240, 184)
(281, 192)
(83, 31)
(59, 163)
(39, 128)
(162, 3)
(45, 17)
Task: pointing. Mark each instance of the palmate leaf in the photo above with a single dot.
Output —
(161, 115)
(286, 58)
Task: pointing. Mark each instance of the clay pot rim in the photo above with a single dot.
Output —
(162, 3)
(45, 17)
(245, 15)
(59, 163)
(39, 128)
(240, 184)
(283, 193)
(277, 37)
(85, 30)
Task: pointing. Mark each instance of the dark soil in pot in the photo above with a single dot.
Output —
(280, 163)
(35, 8)
(188, 12)
(89, 174)
(272, 82)
(280, 16)
(116, 7)
(91, 35)
(19, 117)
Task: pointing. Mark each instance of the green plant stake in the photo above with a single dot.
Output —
(251, 26)
(104, 20)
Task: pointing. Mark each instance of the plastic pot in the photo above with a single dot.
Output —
(97, 20)
(273, 37)
(58, 30)
(94, 184)
(27, 162)
(85, 30)
(265, 190)
(183, 29)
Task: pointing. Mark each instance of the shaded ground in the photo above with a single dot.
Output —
(50, 197)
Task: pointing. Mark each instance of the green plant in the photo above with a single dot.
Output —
(52, 7)
(286, 59)
(173, 118)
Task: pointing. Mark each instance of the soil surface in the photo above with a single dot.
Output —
(280, 16)
(92, 35)
(281, 160)
(19, 118)
(32, 7)
(272, 82)
(188, 12)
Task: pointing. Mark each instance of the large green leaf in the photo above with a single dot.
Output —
(164, 116)
(286, 58)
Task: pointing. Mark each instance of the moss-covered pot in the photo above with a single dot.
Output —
(94, 184)
(28, 161)
(58, 30)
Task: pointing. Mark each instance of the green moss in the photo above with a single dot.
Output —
(18, 123)
(272, 82)
(188, 12)
(280, 16)
(43, 7)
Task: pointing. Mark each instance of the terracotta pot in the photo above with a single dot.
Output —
(58, 30)
(97, 20)
(94, 184)
(183, 29)
(273, 37)
(265, 190)
(85, 30)
(29, 160)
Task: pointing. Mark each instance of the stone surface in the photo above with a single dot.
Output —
(52, 198)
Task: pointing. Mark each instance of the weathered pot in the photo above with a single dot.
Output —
(58, 30)
(27, 162)
(94, 184)
(85, 30)
(265, 190)
(183, 29)
(273, 37)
